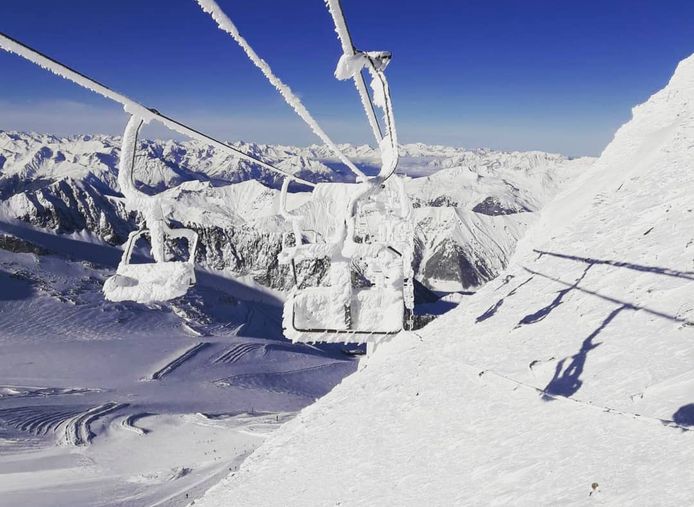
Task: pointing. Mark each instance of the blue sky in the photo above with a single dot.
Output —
(555, 75)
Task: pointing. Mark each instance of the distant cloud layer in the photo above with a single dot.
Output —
(65, 118)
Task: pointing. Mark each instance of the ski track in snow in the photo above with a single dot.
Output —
(237, 352)
(72, 425)
(175, 363)
(130, 422)
(279, 381)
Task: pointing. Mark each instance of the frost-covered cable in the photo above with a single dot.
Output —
(131, 106)
(225, 24)
(343, 35)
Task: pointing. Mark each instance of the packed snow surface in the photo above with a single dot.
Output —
(568, 380)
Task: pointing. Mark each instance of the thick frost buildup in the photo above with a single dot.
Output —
(162, 280)
(373, 239)
(150, 283)
(348, 50)
(349, 65)
(224, 23)
(366, 233)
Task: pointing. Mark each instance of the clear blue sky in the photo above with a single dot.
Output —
(555, 75)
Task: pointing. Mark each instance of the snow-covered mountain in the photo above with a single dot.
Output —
(471, 206)
(144, 404)
(567, 381)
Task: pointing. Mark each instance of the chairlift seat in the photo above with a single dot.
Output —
(150, 282)
(319, 308)
(378, 309)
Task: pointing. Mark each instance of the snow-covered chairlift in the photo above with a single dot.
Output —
(367, 294)
(162, 279)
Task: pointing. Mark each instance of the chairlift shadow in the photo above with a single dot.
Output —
(539, 315)
(567, 381)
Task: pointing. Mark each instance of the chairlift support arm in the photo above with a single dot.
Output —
(348, 48)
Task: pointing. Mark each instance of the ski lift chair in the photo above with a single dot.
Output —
(367, 295)
(162, 279)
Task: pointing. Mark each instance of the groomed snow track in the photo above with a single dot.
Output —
(72, 425)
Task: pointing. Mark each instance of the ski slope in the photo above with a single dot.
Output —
(106, 404)
(567, 380)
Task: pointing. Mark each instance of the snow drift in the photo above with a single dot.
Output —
(569, 379)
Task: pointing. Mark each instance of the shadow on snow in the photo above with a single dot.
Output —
(566, 382)
(684, 415)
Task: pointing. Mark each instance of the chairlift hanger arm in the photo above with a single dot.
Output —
(348, 48)
(375, 68)
(131, 106)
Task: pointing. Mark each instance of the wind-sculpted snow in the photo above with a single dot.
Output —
(471, 207)
(566, 381)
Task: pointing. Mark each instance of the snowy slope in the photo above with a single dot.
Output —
(568, 380)
(106, 404)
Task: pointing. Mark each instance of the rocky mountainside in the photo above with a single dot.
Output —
(471, 206)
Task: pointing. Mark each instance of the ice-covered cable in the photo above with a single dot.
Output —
(225, 24)
(134, 108)
(348, 49)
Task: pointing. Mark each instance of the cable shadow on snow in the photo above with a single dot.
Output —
(687, 275)
(491, 311)
(567, 381)
(540, 314)
(575, 286)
